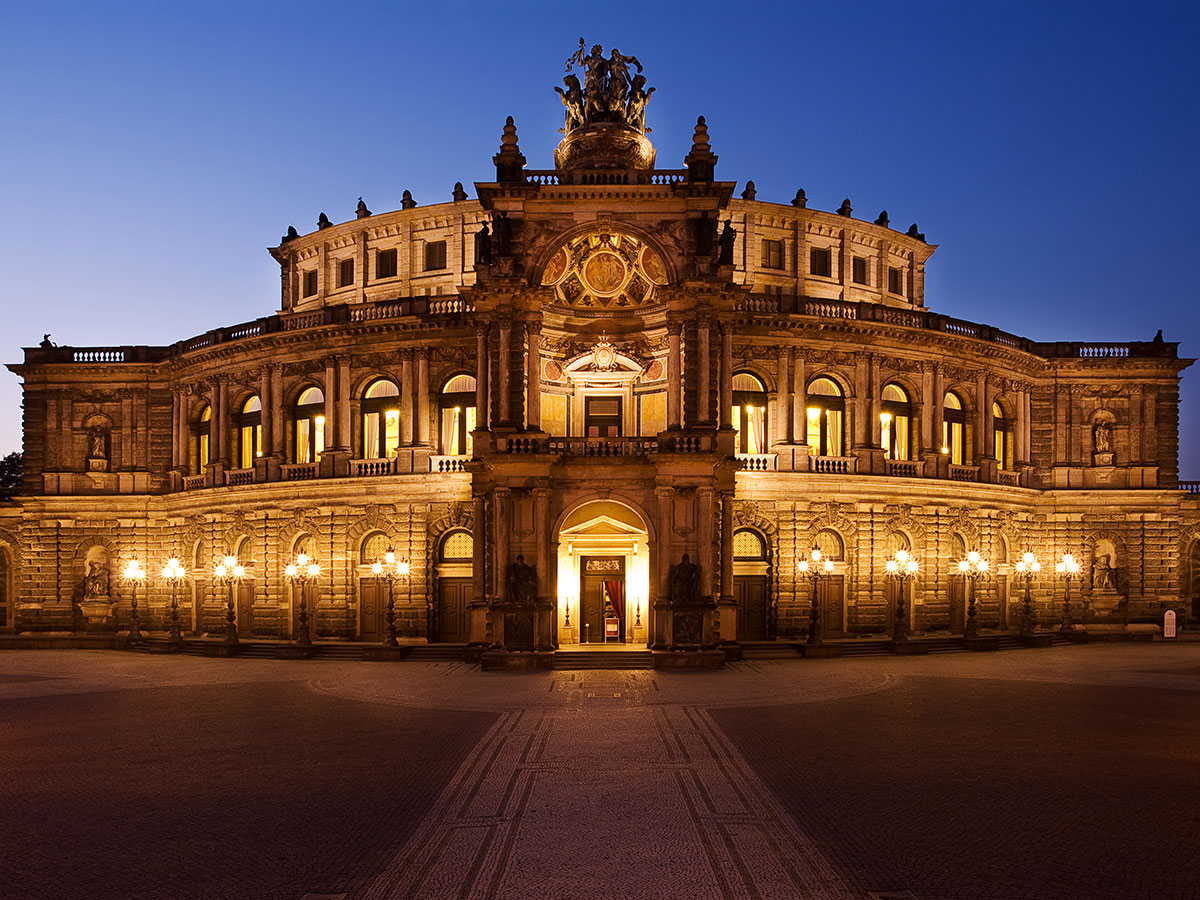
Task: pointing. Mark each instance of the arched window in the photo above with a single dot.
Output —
(456, 412)
(748, 544)
(958, 547)
(953, 423)
(895, 423)
(374, 547)
(826, 410)
(898, 541)
(829, 542)
(1003, 437)
(203, 435)
(381, 419)
(457, 546)
(749, 414)
(310, 425)
(249, 430)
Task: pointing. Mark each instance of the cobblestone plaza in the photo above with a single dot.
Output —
(1061, 773)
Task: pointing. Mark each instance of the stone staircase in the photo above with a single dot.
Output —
(603, 659)
(436, 653)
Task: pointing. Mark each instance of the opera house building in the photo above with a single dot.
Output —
(594, 404)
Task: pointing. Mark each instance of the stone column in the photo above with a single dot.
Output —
(725, 413)
(726, 548)
(783, 403)
(658, 607)
(479, 549)
(704, 381)
(541, 539)
(481, 378)
(423, 397)
(406, 398)
(799, 399)
(674, 330)
(343, 405)
(502, 372)
(221, 421)
(861, 430)
(279, 436)
(265, 397)
(533, 377)
(938, 404)
(704, 536)
(176, 431)
(876, 405)
(983, 416)
(500, 566)
(330, 403)
(928, 403)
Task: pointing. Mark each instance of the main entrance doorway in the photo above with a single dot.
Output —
(603, 581)
(602, 600)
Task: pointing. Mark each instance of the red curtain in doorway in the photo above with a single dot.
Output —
(615, 592)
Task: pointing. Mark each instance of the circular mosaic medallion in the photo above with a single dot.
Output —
(653, 266)
(604, 273)
(555, 268)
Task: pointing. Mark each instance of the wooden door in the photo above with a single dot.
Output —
(1002, 599)
(591, 610)
(891, 593)
(454, 595)
(244, 592)
(830, 599)
(750, 592)
(372, 609)
(958, 604)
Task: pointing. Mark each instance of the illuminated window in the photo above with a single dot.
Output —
(953, 424)
(385, 264)
(310, 283)
(830, 544)
(203, 433)
(748, 545)
(772, 254)
(345, 272)
(456, 408)
(457, 546)
(381, 419)
(602, 416)
(895, 423)
(310, 425)
(1003, 437)
(825, 414)
(249, 427)
(374, 547)
(820, 261)
(749, 414)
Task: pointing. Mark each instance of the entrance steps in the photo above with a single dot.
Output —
(770, 650)
(436, 653)
(603, 659)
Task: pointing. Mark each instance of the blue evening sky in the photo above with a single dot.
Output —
(150, 152)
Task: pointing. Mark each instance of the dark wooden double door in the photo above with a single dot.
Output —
(750, 594)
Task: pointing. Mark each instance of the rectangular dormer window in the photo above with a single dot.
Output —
(860, 270)
(310, 283)
(345, 273)
(772, 254)
(895, 281)
(435, 256)
(385, 264)
(820, 261)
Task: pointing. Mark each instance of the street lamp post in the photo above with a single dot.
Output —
(1027, 567)
(814, 568)
(300, 572)
(903, 567)
(391, 568)
(230, 573)
(134, 575)
(173, 572)
(1066, 569)
(974, 567)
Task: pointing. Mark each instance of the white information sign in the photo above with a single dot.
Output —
(1169, 624)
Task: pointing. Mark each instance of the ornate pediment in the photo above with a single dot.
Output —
(605, 270)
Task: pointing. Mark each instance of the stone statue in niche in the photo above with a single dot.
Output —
(483, 246)
(521, 583)
(95, 583)
(98, 443)
(685, 583)
(1102, 435)
(1104, 576)
(728, 235)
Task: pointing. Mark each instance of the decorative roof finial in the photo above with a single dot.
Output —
(845, 209)
(800, 200)
(361, 210)
(292, 234)
(406, 200)
(459, 194)
(323, 221)
(750, 192)
(509, 161)
(701, 162)
(883, 219)
(912, 232)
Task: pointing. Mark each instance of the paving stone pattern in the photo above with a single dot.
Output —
(1062, 773)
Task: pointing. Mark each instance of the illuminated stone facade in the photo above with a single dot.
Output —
(603, 382)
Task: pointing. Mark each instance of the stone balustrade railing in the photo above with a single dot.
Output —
(605, 176)
(238, 477)
(447, 464)
(299, 471)
(640, 446)
(906, 468)
(1192, 487)
(369, 468)
(964, 473)
(193, 482)
(835, 465)
(756, 462)
(1009, 479)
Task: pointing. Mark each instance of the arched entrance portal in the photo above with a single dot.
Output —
(603, 575)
